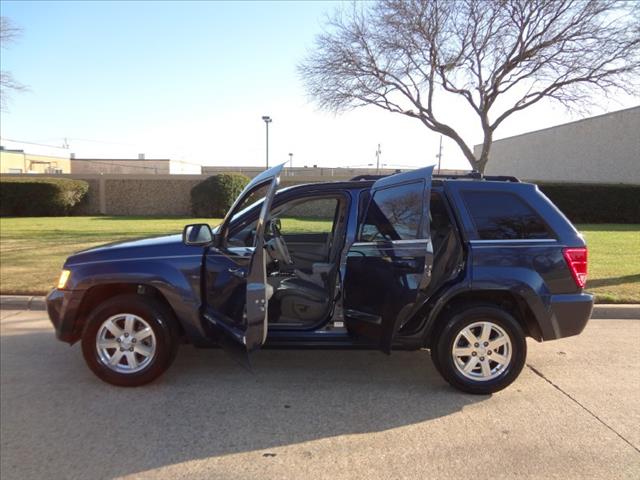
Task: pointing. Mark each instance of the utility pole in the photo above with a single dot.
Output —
(439, 155)
(378, 152)
(267, 120)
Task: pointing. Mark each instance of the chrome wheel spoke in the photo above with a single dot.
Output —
(108, 343)
(470, 365)
(486, 369)
(463, 351)
(485, 332)
(143, 350)
(468, 334)
(142, 334)
(116, 357)
(498, 342)
(132, 361)
(499, 359)
(129, 324)
(114, 329)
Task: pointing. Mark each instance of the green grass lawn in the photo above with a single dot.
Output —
(32, 250)
(614, 262)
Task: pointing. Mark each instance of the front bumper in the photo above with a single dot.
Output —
(62, 307)
(569, 315)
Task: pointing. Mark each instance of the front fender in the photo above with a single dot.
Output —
(176, 278)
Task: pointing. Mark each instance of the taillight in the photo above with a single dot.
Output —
(577, 261)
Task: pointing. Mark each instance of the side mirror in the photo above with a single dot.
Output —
(198, 234)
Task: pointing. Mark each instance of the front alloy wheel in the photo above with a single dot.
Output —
(125, 343)
(130, 340)
(481, 349)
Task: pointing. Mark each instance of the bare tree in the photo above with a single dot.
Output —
(8, 34)
(500, 56)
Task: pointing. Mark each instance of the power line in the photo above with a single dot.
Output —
(32, 143)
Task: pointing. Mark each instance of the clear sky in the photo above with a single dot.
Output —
(191, 81)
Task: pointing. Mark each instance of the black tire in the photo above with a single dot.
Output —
(160, 319)
(454, 324)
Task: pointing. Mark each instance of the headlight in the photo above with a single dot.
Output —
(64, 277)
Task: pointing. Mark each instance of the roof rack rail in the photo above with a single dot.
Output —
(471, 175)
(367, 177)
(478, 176)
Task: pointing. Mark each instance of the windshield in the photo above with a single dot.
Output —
(253, 201)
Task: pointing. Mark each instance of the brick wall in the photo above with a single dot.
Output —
(147, 195)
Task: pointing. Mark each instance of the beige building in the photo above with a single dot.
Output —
(601, 149)
(312, 174)
(18, 161)
(139, 166)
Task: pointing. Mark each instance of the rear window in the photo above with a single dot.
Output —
(504, 216)
(394, 213)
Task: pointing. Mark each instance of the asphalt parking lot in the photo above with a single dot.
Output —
(573, 413)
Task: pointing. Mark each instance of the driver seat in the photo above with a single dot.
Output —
(300, 300)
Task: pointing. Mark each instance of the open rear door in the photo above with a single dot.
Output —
(389, 264)
(239, 332)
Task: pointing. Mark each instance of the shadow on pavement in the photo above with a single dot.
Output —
(56, 416)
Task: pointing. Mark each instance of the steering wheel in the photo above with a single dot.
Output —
(279, 244)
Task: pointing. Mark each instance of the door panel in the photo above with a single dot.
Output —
(236, 281)
(388, 274)
(308, 248)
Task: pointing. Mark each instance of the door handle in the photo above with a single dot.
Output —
(237, 272)
(405, 264)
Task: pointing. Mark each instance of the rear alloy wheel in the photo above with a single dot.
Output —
(130, 340)
(481, 349)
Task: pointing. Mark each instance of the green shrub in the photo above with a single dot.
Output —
(594, 203)
(40, 196)
(214, 196)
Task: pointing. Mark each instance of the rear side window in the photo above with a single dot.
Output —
(504, 216)
(394, 213)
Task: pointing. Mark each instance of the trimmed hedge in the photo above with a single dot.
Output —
(214, 196)
(41, 196)
(593, 203)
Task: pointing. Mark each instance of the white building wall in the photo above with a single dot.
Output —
(601, 149)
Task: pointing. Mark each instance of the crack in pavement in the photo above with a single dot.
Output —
(12, 314)
(541, 375)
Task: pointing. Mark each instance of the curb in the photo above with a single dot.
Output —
(22, 302)
(608, 311)
(600, 311)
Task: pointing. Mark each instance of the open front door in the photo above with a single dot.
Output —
(237, 290)
(389, 264)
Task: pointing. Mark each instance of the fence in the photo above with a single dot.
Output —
(149, 195)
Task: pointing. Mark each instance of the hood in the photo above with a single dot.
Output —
(153, 247)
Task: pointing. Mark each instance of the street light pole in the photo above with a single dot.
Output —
(439, 155)
(267, 120)
(290, 161)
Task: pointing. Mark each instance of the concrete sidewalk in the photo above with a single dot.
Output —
(600, 311)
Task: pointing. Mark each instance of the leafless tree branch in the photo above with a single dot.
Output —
(500, 56)
(8, 34)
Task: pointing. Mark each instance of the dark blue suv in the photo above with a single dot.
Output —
(467, 267)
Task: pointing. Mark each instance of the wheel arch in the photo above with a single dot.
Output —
(508, 300)
(100, 293)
